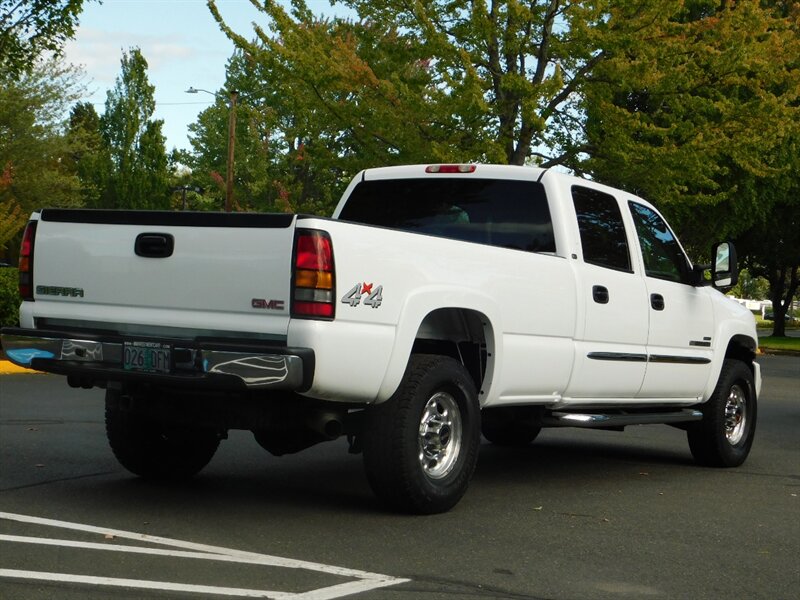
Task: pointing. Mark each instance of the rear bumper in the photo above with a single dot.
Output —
(212, 363)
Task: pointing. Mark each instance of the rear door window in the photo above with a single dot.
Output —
(602, 229)
(508, 214)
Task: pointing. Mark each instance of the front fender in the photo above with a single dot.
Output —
(732, 332)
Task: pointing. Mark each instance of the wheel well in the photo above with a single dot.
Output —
(742, 348)
(459, 333)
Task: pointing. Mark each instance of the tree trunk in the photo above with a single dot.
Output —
(782, 291)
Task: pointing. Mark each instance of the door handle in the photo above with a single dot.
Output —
(657, 301)
(600, 294)
(154, 245)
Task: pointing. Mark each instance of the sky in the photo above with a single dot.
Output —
(179, 39)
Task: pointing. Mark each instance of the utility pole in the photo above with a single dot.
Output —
(231, 146)
(234, 96)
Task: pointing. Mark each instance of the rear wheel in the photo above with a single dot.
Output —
(421, 445)
(153, 449)
(725, 434)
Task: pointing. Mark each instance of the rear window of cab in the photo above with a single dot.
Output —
(503, 213)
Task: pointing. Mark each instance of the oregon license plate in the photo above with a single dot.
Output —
(150, 357)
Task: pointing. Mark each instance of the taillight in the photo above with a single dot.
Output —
(314, 284)
(26, 261)
(450, 169)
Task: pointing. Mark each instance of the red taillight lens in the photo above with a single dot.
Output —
(314, 281)
(26, 261)
(314, 251)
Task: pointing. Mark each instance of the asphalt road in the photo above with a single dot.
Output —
(579, 514)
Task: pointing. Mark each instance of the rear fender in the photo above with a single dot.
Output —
(417, 308)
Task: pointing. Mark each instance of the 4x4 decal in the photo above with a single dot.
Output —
(374, 296)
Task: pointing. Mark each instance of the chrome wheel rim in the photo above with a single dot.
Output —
(735, 415)
(440, 435)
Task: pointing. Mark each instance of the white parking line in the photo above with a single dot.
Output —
(364, 581)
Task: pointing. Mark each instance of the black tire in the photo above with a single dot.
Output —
(725, 434)
(156, 450)
(513, 426)
(428, 472)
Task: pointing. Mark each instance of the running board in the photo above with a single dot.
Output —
(621, 419)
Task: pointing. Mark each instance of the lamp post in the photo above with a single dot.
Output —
(233, 97)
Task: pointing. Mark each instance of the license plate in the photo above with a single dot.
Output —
(150, 357)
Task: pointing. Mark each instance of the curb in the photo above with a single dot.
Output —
(9, 368)
(774, 352)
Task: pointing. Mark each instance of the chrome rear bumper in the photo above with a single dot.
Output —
(214, 363)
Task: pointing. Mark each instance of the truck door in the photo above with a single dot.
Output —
(681, 315)
(611, 353)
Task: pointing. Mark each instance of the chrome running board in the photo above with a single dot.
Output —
(619, 419)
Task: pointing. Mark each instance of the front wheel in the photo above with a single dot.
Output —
(725, 434)
(421, 445)
(153, 449)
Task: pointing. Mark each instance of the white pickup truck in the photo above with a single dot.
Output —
(438, 302)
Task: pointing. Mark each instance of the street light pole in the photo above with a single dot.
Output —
(234, 96)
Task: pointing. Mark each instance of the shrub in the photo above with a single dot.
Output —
(9, 297)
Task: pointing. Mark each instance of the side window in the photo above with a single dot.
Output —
(602, 229)
(663, 257)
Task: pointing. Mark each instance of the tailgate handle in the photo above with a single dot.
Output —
(154, 245)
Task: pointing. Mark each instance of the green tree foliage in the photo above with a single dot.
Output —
(771, 244)
(706, 95)
(33, 173)
(284, 159)
(12, 217)
(30, 28)
(9, 298)
(89, 158)
(502, 75)
(424, 81)
(750, 287)
(139, 176)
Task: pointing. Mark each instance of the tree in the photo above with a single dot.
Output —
(751, 287)
(283, 160)
(33, 172)
(139, 177)
(773, 252)
(30, 28)
(771, 244)
(89, 158)
(710, 97)
(444, 80)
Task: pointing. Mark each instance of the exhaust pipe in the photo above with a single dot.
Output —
(329, 425)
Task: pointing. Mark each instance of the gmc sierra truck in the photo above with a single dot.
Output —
(439, 302)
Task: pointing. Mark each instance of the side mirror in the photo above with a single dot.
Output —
(725, 269)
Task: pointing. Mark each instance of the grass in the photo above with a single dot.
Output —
(783, 344)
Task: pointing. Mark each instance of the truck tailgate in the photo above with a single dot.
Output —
(159, 269)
